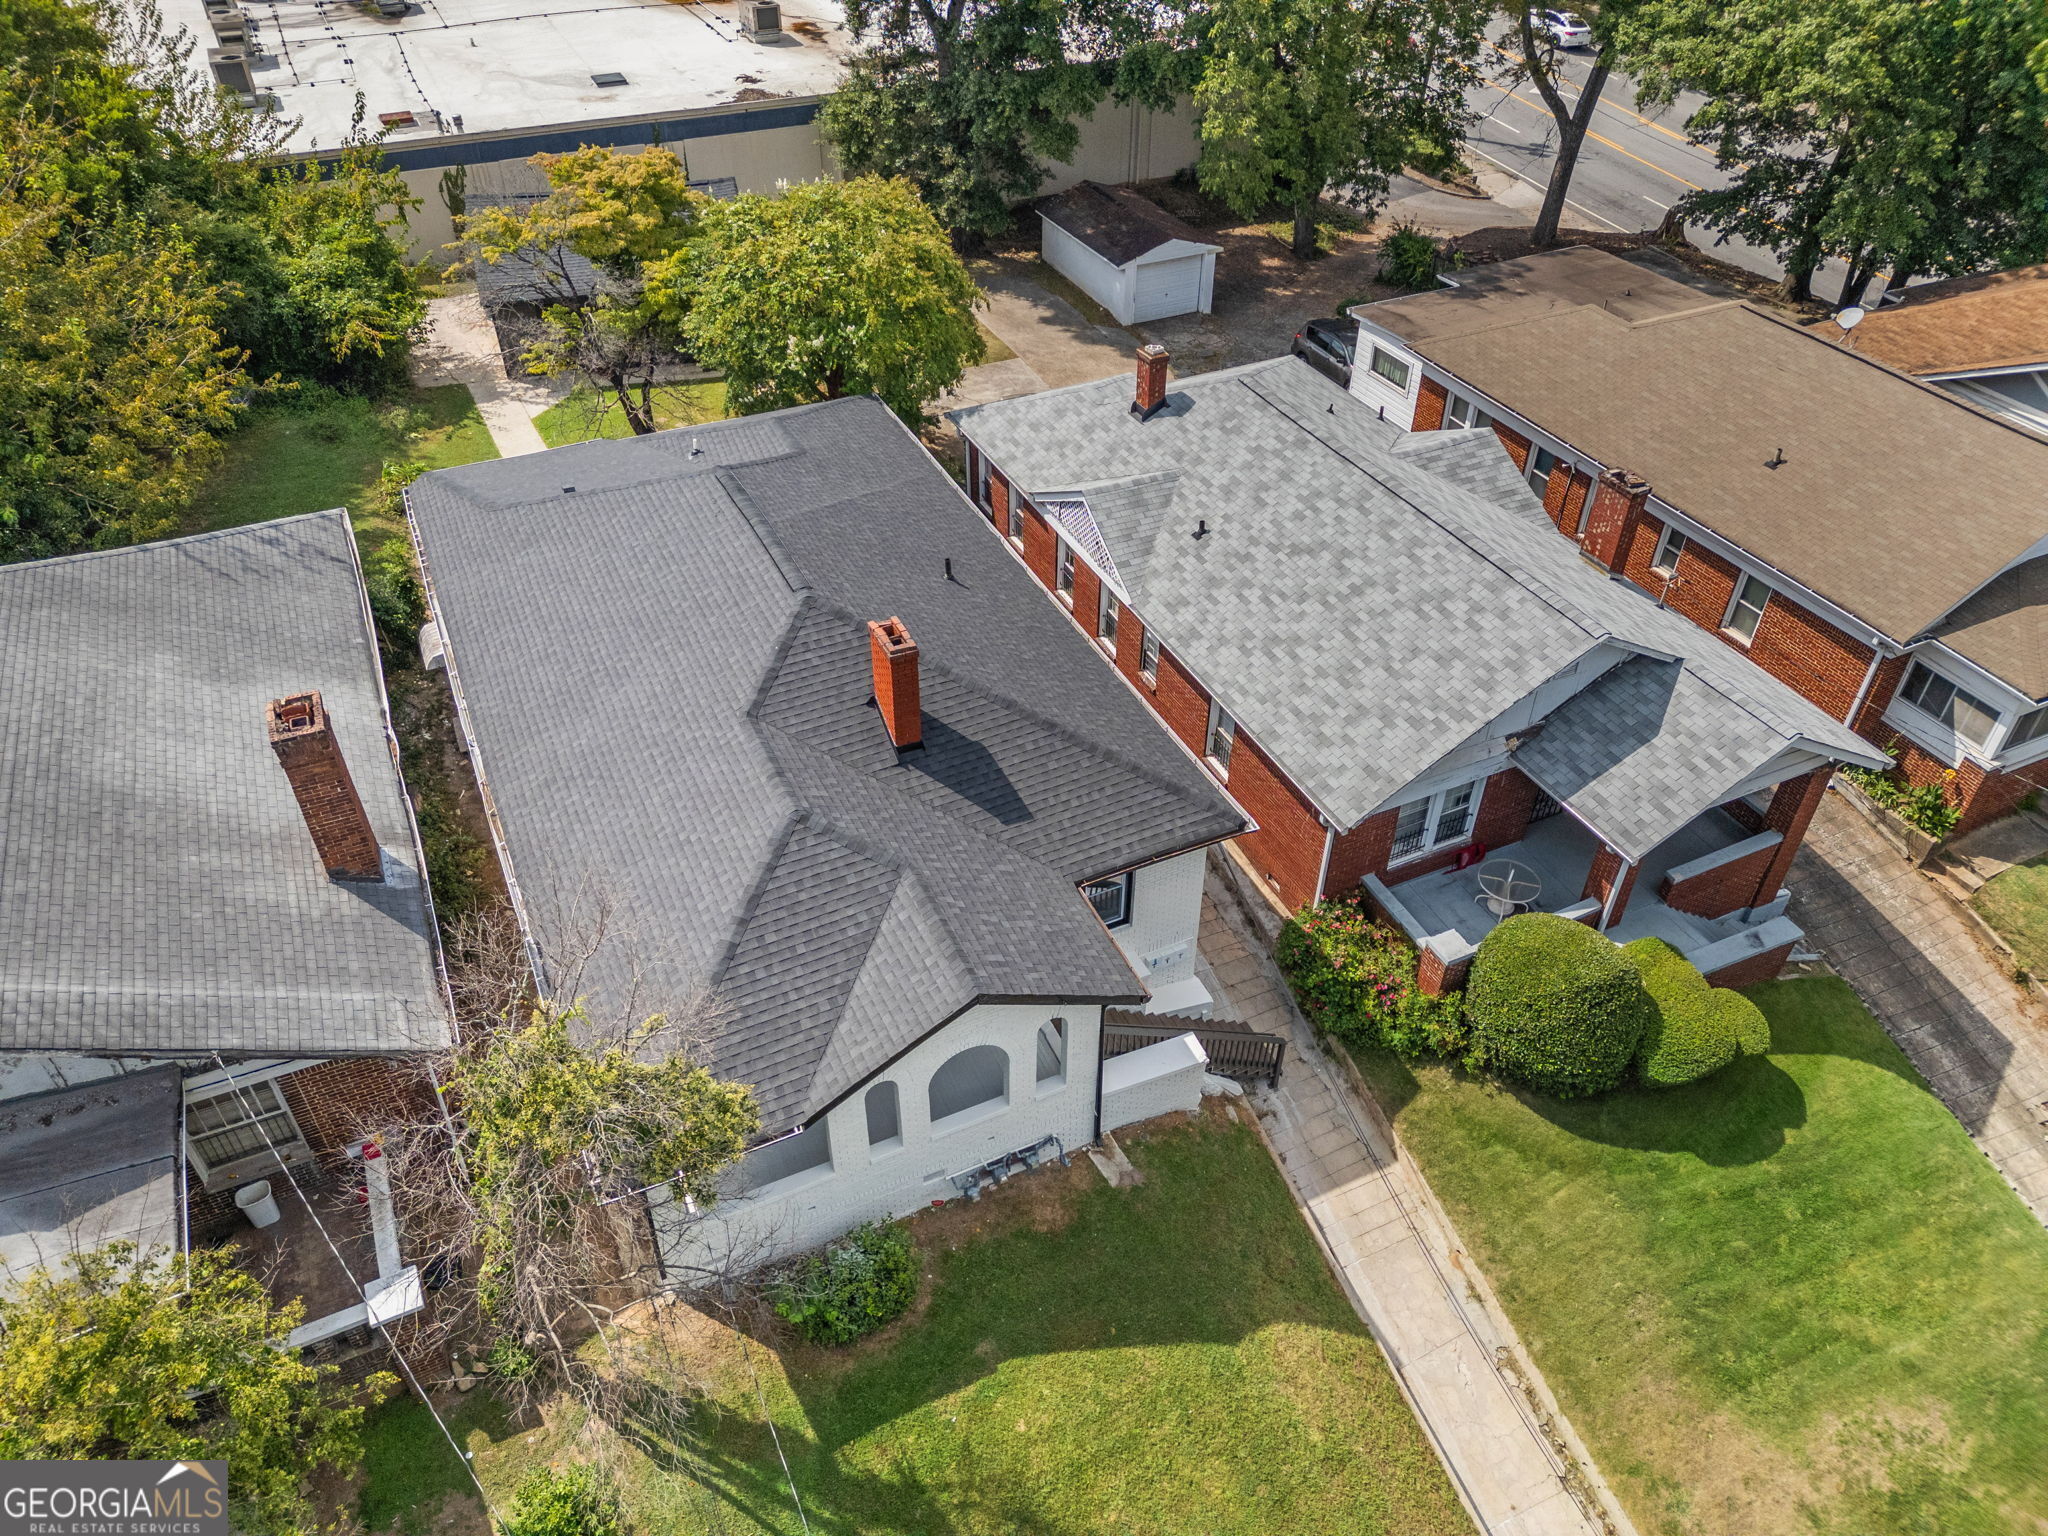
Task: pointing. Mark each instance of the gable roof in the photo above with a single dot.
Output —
(159, 892)
(667, 673)
(1116, 223)
(1699, 396)
(1362, 600)
(1988, 320)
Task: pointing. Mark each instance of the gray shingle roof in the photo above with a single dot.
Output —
(159, 892)
(1363, 601)
(667, 672)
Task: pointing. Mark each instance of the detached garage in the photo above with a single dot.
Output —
(1128, 254)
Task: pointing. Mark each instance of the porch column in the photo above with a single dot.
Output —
(1609, 882)
(1791, 809)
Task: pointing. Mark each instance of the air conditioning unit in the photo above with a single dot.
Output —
(761, 19)
(230, 68)
(392, 7)
(228, 23)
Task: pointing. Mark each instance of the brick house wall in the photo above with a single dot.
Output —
(1516, 445)
(1721, 890)
(1431, 400)
(1747, 973)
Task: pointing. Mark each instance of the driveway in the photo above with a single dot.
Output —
(461, 347)
(1978, 1038)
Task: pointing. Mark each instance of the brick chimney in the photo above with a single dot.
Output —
(303, 739)
(895, 659)
(1152, 360)
(1618, 498)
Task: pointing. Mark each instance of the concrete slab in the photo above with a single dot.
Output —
(459, 346)
(1054, 339)
(1991, 851)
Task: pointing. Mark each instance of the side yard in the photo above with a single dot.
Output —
(1169, 1358)
(1791, 1296)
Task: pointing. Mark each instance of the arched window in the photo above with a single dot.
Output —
(804, 1151)
(885, 1120)
(976, 1078)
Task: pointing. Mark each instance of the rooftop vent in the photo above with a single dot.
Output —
(761, 19)
(609, 78)
(228, 23)
(230, 67)
(398, 119)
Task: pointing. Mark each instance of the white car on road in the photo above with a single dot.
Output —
(1567, 29)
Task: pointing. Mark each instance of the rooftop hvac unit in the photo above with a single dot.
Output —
(761, 19)
(228, 23)
(230, 67)
(392, 7)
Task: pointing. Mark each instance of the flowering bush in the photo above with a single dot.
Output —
(1926, 806)
(1355, 977)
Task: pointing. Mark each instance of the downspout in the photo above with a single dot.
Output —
(1323, 873)
(1100, 1025)
(1862, 693)
(1621, 881)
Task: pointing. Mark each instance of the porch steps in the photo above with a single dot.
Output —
(1235, 1050)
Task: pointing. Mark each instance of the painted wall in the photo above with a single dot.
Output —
(1157, 1080)
(1166, 916)
(863, 1183)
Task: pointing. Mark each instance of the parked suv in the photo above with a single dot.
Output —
(1328, 346)
(1567, 29)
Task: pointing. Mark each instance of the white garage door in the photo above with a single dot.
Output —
(1168, 288)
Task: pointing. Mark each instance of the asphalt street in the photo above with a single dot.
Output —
(1635, 163)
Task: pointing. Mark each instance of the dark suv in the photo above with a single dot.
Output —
(1328, 347)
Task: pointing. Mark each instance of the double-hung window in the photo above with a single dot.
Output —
(1441, 820)
(1541, 462)
(1460, 412)
(1063, 573)
(1969, 717)
(1221, 737)
(1016, 529)
(1111, 899)
(1746, 608)
(1390, 368)
(1148, 658)
(246, 1120)
(1107, 611)
(1670, 545)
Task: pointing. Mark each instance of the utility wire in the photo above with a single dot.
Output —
(256, 1119)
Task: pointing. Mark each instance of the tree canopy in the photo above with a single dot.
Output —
(173, 1359)
(830, 289)
(1301, 97)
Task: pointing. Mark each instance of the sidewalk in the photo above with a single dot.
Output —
(1979, 1040)
(460, 347)
(1509, 1454)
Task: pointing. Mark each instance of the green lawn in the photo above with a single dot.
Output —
(328, 450)
(579, 417)
(1173, 1358)
(1791, 1298)
(2016, 904)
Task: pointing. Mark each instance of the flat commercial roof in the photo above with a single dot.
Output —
(492, 66)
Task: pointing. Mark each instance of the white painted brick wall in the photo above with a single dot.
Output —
(864, 1187)
(1166, 915)
(1154, 1081)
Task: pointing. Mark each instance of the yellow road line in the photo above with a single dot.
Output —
(1606, 105)
(1601, 138)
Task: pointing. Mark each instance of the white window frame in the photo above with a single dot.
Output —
(1670, 547)
(1148, 657)
(1016, 519)
(236, 1093)
(1126, 884)
(1743, 582)
(1063, 570)
(1222, 729)
(1919, 670)
(1107, 611)
(1464, 413)
(1379, 355)
(2013, 740)
(1434, 838)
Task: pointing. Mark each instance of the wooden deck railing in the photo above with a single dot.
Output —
(1234, 1050)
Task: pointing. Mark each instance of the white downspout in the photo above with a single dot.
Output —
(1621, 882)
(1862, 693)
(1329, 847)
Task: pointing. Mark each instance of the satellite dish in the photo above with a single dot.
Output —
(1849, 318)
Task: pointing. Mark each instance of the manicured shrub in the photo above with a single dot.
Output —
(864, 1280)
(1694, 1029)
(1355, 977)
(1555, 1004)
(1411, 258)
(577, 1502)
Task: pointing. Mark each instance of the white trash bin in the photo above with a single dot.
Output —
(256, 1202)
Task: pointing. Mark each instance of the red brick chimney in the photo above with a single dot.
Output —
(1152, 360)
(1618, 498)
(303, 739)
(895, 659)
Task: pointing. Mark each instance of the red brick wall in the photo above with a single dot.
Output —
(1504, 809)
(1983, 795)
(1430, 399)
(1600, 879)
(1612, 522)
(1433, 978)
(1747, 973)
(1555, 491)
(1638, 550)
(999, 501)
(1723, 889)
(1130, 645)
(1577, 490)
(1702, 587)
(1501, 817)
(1087, 595)
(1890, 673)
(1181, 703)
(1815, 658)
(1288, 847)
(1792, 806)
(1041, 546)
(1516, 445)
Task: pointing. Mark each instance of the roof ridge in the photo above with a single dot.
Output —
(148, 545)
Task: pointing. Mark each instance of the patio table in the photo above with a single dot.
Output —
(1507, 887)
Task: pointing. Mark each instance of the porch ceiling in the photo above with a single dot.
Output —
(1645, 749)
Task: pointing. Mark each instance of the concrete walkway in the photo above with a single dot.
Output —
(1054, 340)
(1513, 1460)
(1978, 1038)
(460, 347)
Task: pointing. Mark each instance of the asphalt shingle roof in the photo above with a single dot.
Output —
(1363, 602)
(1119, 225)
(159, 892)
(667, 673)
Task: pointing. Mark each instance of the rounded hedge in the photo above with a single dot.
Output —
(1555, 1004)
(1694, 1028)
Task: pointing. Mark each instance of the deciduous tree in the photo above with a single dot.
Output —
(173, 1359)
(1304, 97)
(833, 288)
